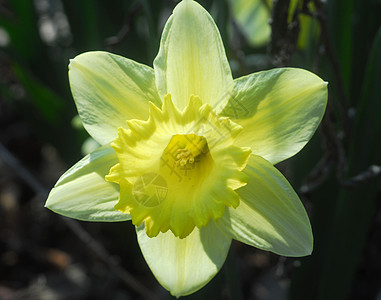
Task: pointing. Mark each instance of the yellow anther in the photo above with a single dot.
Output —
(184, 157)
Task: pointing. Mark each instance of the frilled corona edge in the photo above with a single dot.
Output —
(178, 169)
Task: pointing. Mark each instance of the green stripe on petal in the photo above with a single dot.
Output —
(192, 59)
(108, 90)
(82, 192)
(183, 266)
(270, 215)
(279, 110)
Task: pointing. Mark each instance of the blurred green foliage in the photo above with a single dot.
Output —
(339, 40)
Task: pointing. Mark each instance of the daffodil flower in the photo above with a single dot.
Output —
(187, 152)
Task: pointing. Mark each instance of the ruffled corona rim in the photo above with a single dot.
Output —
(167, 169)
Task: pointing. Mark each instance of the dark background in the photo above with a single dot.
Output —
(337, 175)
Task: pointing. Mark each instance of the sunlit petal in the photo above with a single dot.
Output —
(183, 266)
(82, 192)
(108, 90)
(192, 59)
(270, 215)
(279, 110)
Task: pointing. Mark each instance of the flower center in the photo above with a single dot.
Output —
(178, 170)
(187, 156)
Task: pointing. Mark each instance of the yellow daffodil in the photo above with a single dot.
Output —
(187, 152)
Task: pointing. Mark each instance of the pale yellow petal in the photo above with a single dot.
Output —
(82, 192)
(270, 215)
(108, 90)
(279, 111)
(192, 59)
(183, 266)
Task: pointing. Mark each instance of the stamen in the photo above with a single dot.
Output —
(183, 157)
(186, 159)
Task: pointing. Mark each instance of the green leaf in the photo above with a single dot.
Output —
(341, 14)
(48, 103)
(356, 208)
(253, 18)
